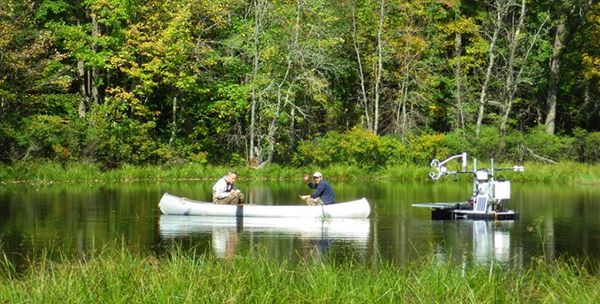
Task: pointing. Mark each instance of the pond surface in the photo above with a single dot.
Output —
(556, 220)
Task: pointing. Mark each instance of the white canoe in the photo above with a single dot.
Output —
(171, 204)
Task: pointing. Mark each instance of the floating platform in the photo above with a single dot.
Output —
(489, 198)
(465, 210)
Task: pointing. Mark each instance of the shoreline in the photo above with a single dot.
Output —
(74, 173)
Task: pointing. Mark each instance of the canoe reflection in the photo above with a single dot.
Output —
(226, 231)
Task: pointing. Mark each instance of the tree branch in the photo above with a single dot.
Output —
(539, 157)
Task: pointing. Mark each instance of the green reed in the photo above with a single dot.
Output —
(117, 275)
(36, 173)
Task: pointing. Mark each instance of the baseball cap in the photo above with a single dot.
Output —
(317, 174)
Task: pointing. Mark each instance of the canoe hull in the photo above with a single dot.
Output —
(171, 204)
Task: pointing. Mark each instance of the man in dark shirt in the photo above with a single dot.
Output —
(324, 194)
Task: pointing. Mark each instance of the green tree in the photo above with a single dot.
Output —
(566, 25)
(33, 80)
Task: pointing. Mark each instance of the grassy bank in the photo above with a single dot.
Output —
(120, 276)
(76, 172)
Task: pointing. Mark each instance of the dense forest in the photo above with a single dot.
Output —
(371, 83)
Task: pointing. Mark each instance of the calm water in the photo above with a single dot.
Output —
(555, 220)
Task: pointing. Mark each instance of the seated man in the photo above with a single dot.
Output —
(224, 192)
(324, 194)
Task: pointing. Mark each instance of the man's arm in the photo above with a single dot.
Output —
(219, 189)
(312, 186)
(320, 189)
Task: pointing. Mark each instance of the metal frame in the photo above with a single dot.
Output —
(486, 201)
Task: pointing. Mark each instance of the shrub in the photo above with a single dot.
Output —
(424, 148)
(314, 151)
(591, 152)
(539, 143)
(489, 144)
(513, 146)
(49, 137)
(8, 137)
(113, 139)
(458, 141)
(357, 147)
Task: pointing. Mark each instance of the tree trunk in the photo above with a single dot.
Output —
(292, 147)
(488, 72)
(88, 78)
(3, 107)
(555, 65)
(379, 65)
(512, 80)
(514, 74)
(561, 38)
(273, 128)
(460, 120)
(290, 61)
(174, 127)
(405, 125)
(95, 75)
(484, 87)
(361, 75)
(589, 103)
(253, 153)
(83, 104)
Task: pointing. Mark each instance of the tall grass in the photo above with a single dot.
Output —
(122, 276)
(567, 172)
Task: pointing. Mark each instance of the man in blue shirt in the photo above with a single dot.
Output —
(324, 194)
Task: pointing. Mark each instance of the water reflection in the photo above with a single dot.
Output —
(491, 241)
(315, 235)
(556, 220)
(480, 242)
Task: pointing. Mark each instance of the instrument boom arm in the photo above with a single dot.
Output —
(441, 170)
